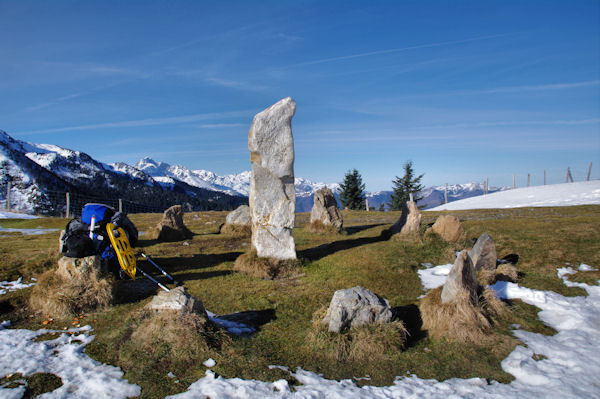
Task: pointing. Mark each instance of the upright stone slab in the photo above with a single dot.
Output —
(461, 281)
(483, 253)
(325, 209)
(272, 193)
(409, 221)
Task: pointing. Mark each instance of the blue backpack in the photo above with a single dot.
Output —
(102, 214)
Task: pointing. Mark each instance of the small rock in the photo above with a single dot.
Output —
(461, 280)
(325, 209)
(75, 268)
(355, 307)
(177, 299)
(483, 254)
(171, 227)
(449, 228)
(240, 217)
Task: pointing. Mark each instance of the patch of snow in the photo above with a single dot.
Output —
(566, 194)
(10, 286)
(27, 232)
(82, 377)
(15, 215)
(209, 363)
(586, 268)
(434, 277)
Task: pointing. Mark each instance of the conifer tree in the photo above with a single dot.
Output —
(352, 191)
(405, 185)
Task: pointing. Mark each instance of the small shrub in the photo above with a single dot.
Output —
(370, 343)
(60, 297)
(236, 230)
(267, 268)
(461, 321)
(316, 226)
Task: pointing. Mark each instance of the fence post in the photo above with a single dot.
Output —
(514, 182)
(8, 184)
(528, 178)
(68, 207)
(544, 177)
(487, 185)
(569, 176)
(446, 194)
(367, 204)
(120, 205)
(589, 172)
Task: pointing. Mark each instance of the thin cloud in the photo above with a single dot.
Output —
(218, 125)
(234, 84)
(54, 102)
(552, 86)
(396, 50)
(144, 122)
(512, 123)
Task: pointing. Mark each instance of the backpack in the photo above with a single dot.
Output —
(99, 212)
(76, 242)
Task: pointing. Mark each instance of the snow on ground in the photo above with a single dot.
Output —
(6, 286)
(13, 215)
(434, 277)
(566, 194)
(82, 377)
(27, 232)
(569, 365)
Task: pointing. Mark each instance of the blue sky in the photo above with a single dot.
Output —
(466, 90)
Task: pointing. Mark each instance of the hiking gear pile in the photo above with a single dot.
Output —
(88, 235)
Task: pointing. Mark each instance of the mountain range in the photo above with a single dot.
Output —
(40, 174)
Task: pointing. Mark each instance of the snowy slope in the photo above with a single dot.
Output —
(579, 193)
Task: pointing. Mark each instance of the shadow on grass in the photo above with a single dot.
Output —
(324, 250)
(201, 275)
(356, 229)
(253, 318)
(199, 261)
(410, 315)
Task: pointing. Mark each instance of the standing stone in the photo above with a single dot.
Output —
(449, 228)
(461, 281)
(77, 268)
(171, 227)
(409, 221)
(325, 209)
(272, 192)
(356, 307)
(483, 255)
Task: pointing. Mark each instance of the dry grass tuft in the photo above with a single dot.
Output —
(171, 339)
(507, 272)
(266, 268)
(486, 277)
(461, 321)
(372, 343)
(236, 230)
(59, 296)
(316, 226)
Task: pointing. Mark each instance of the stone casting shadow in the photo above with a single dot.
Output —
(410, 315)
(324, 250)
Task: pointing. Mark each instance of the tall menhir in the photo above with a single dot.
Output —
(272, 193)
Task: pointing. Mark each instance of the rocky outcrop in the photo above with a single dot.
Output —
(409, 221)
(171, 227)
(325, 209)
(355, 307)
(449, 228)
(272, 192)
(483, 255)
(461, 282)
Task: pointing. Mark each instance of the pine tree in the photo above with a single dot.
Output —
(403, 186)
(352, 191)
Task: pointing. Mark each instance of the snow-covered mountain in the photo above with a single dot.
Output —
(40, 174)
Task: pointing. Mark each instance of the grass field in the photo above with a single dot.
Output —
(544, 239)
